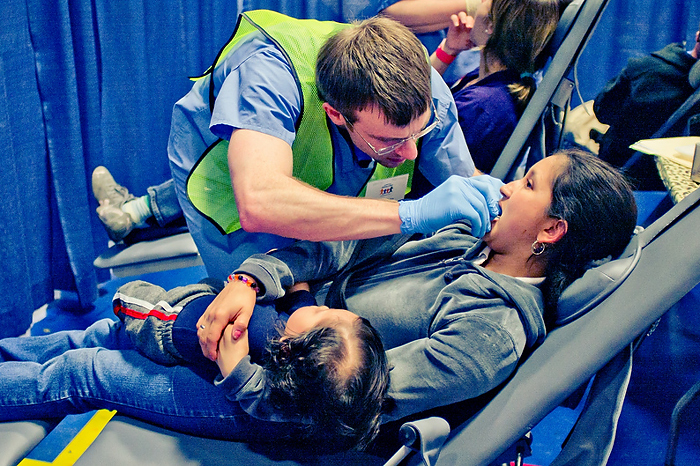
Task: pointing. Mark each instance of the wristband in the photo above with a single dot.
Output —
(235, 277)
(443, 56)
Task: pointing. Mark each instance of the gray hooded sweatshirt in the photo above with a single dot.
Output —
(453, 330)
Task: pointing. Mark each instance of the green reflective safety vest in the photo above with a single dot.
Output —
(209, 182)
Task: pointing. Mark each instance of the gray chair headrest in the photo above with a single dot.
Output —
(595, 285)
(694, 75)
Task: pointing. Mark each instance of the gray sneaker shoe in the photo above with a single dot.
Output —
(111, 197)
(106, 190)
(117, 222)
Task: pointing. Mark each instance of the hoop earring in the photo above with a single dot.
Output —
(538, 248)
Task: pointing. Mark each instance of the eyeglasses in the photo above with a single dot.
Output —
(393, 147)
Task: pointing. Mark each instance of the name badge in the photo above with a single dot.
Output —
(391, 188)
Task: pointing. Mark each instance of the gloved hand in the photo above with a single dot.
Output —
(474, 199)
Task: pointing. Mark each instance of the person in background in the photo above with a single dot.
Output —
(638, 101)
(490, 100)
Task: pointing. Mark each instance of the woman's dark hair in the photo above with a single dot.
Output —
(335, 389)
(598, 204)
(521, 31)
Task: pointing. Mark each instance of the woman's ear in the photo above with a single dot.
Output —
(554, 232)
(489, 26)
(334, 115)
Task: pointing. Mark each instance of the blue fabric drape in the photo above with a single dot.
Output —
(92, 82)
(53, 41)
(24, 179)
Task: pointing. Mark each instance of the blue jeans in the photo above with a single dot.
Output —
(76, 371)
(164, 203)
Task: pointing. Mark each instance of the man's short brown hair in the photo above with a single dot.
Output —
(376, 63)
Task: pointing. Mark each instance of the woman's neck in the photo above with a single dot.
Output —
(489, 65)
(515, 265)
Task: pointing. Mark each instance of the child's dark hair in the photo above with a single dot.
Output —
(338, 394)
(598, 204)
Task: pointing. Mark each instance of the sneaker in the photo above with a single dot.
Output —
(106, 190)
(117, 222)
(111, 197)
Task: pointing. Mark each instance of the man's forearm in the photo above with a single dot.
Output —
(270, 200)
(290, 208)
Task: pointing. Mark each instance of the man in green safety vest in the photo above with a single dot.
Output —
(314, 130)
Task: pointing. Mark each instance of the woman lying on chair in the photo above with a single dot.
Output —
(455, 312)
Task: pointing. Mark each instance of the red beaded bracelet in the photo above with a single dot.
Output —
(443, 56)
(245, 280)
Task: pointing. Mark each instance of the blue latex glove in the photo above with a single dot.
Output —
(474, 199)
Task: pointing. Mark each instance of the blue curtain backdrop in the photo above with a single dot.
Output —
(92, 82)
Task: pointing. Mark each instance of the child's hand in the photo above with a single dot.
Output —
(231, 351)
(459, 34)
(234, 305)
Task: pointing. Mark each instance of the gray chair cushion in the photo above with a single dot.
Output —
(17, 439)
(595, 285)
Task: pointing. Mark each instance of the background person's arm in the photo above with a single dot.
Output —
(612, 101)
(458, 39)
(424, 15)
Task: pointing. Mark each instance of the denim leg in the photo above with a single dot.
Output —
(164, 203)
(149, 312)
(86, 378)
(104, 333)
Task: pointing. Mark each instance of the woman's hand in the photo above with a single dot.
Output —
(231, 350)
(234, 305)
(459, 34)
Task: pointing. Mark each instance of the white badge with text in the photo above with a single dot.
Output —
(390, 188)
